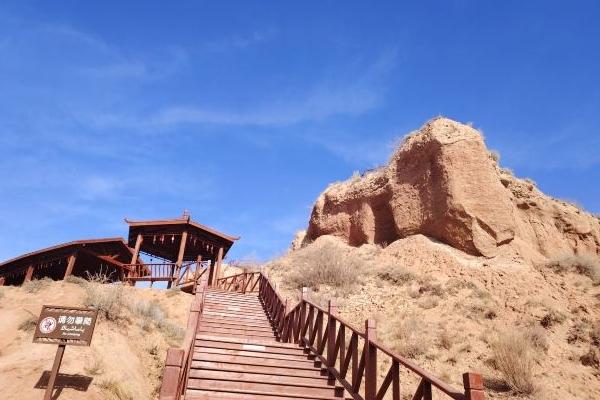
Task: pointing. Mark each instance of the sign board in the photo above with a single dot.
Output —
(65, 325)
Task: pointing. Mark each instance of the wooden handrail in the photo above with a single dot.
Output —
(325, 334)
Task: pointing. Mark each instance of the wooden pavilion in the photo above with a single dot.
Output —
(81, 258)
(185, 251)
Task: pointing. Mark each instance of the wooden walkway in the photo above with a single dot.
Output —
(237, 356)
(243, 341)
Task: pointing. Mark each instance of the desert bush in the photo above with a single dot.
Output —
(35, 285)
(395, 274)
(406, 336)
(151, 313)
(76, 280)
(326, 265)
(537, 337)
(99, 277)
(116, 389)
(28, 324)
(95, 368)
(591, 358)
(552, 317)
(595, 334)
(445, 340)
(585, 264)
(513, 358)
(173, 292)
(109, 300)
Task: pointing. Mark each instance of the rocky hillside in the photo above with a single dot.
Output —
(464, 266)
(444, 183)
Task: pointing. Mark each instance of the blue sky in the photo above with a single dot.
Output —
(243, 112)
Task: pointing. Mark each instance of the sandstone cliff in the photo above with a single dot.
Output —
(444, 183)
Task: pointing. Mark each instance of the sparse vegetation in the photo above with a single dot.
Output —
(428, 302)
(537, 337)
(585, 264)
(152, 314)
(35, 285)
(407, 337)
(28, 324)
(95, 368)
(108, 299)
(513, 358)
(76, 280)
(116, 389)
(395, 274)
(551, 318)
(445, 341)
(325, 265)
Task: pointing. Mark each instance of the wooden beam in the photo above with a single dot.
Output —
(218, 266)
(136, 250)
(180, 255)
(70, 265)
(29, 274)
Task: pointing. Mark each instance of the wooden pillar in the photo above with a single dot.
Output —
(370, 360)
(218, 266)
(197, 273)
(331, 323)
(135, 256)
(179, 262)
(29, 274)
(70, 265)
(473, 386)
(171, 374)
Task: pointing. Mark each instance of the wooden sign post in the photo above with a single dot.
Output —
(63, 326)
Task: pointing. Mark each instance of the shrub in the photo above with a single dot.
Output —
(428, 302)
(595, 334)
(512, 357)
(395, 274)
(152, 313)
(585, 264)
(537, 337)
(76, 280)
(551, 318)
(35, 285)
(96, 368)
(116, 389)
(108, 299)
(324, 265)
(407, 337)
(445, 340)
(28, 324)
(591, 358)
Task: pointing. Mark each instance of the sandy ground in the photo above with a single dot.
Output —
(122, 357)
(454, 307)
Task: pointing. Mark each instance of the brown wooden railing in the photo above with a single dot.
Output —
(353, 356)
(244, 283)
(151, 272)
(179, 360)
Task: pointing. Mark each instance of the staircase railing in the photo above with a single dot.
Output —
(353, 356)
(179, 360)
(244, 283)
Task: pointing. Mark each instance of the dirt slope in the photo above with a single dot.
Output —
(127, 353)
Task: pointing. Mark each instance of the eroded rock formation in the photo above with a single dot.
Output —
(443, 182)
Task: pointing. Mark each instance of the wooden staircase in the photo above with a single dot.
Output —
(243, 341)
(237, 355)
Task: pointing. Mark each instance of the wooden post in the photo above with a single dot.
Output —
(179, 261)
(332, 310)
(473, 386)
(60, 351)
(370, 360)
(170, 382)
(196, 273)
(70, 265)
(218, 265)
(29, 274)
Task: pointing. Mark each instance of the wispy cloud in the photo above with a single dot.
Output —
(355, 95)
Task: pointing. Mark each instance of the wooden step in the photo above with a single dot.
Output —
(234, 322)
(261, 369)
(226, 326)
(268, 362)
(215, 338)
(270, 347)
(255, 377)
(274, 356)
(209, 394)
(262, 387)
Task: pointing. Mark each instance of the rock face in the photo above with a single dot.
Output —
(442, 182)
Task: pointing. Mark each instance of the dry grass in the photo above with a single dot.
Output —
(95, 368)
(551, 318)
(407, 337)
(326, 265)
(115, 389)
(35, 285)
(584, 264)
(513, 358)
(28, 324)
(108, 299)
(76, 280)
(1, 293)
(152, 315)
(395, 274)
